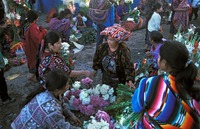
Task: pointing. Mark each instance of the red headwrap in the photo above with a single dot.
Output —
(117, 32)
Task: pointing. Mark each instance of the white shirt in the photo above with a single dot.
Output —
(194, 3)
(154, 22)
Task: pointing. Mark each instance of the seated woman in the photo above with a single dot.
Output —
(43, 108)
(62, 24)
(50, 58)
(113, 58)
(122, 10)
(165, 101)
(80, 22)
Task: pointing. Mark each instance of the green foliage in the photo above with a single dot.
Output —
(88, 36)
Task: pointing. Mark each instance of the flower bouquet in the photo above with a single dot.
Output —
(88, 101)
(122, 107)
(65, 54)
(191, 41)
(100, 121)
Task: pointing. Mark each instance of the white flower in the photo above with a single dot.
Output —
(89, 91)
(197, 65)
(96, 90)
(112, 99)
(71, 99)
(86, 101)
(106, 96)
(76, 85)
(111, 91)
(83, 94)
(65, 45)
(104, 89)
(97, 125)
(141, 75)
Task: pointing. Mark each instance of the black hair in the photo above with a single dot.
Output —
(51, 37)
(55, 15)
(63, 14)
(177, 57)
(156, 6)
(55, 79)
(31, 16)
(156, 36)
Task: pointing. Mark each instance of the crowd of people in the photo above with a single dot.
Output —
(165, 101)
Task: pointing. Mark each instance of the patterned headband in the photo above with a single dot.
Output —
(117, 32)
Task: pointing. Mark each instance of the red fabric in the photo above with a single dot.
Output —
(33, 38)
(117, 32)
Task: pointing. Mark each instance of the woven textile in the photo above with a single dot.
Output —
(182, 17)
(98, 10)
(117, 32)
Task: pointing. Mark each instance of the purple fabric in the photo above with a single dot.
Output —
(120, 10)
(43, 111)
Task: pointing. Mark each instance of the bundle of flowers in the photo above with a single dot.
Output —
(191, 41)
(87, 82)
(88, 101)
(134, 15)
(100, 121)
(122, 110)
(144, 68)
(65, 53)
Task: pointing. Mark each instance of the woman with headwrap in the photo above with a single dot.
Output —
(114, 59)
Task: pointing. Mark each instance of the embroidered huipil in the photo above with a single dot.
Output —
(43, 112)
(116, 67)
(49, 62)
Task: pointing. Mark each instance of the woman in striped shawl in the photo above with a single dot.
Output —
(166, 101)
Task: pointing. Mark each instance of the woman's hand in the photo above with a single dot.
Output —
(88, 73)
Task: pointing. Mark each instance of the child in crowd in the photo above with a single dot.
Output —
(122, 9)
(80, 21)
(156, 41)
(154, 22)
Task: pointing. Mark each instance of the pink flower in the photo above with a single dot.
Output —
(102, 102)
(82, 108)
(86, 81)
(94, 100)
(68, 94)
(76, 103)
(89, 110)
(104, 116)
(76, 93)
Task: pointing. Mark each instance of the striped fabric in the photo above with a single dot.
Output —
(59, 26)
(117, 32)
(162, 105)
(98, 10)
